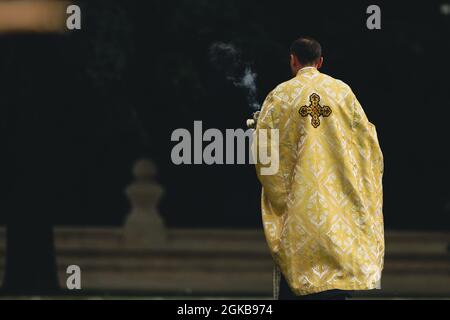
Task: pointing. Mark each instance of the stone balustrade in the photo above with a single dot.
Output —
(145, 257)
(227, 262)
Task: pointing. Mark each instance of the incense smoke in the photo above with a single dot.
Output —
(227, 59)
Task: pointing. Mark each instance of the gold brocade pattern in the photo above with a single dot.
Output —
(322, 210)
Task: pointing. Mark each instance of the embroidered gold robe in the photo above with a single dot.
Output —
(322, 209)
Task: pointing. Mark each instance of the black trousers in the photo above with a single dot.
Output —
(285, 293)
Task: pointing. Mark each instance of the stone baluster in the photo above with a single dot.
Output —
(144, 226)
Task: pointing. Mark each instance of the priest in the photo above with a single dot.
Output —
(322, 208)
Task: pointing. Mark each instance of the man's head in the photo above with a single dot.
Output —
(305, 52)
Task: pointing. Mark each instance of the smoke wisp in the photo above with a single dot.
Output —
(227, 59)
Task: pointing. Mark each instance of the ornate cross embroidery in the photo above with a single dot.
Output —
(315, 110)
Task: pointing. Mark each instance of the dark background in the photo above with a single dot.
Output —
(78, 109)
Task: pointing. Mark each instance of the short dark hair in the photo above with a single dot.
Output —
(307, 50)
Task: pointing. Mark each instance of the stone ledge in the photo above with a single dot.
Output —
(225, 262)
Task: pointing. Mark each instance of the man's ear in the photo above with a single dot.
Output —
(293, 60)
(319, 65)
